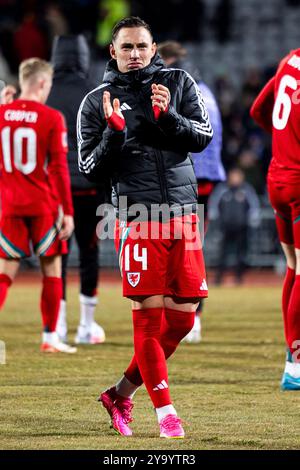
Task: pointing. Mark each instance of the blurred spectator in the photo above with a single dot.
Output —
(251, 86)
(110, 12)
(29, 39)
(239, 131)
(251, 167)
(226, 93)
(57, 23)
(235, 206)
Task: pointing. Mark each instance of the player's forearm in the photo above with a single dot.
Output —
(93, 157)
(192, 134)
(262, 108)
(65, 194)
(61, 183)
(262, 115)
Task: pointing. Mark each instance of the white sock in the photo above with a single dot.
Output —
(163, 411)
(50, 338)
(197, 323)
(125, 388)
(87, 310)
(288, 367)
(62, 315)
(292, 368)
(296, 370)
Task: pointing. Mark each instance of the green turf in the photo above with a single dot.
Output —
(226, 389)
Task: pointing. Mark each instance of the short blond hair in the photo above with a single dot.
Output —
(30, 69)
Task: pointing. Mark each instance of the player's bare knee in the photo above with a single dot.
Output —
(10, 267)
(141, 302)
(183, 304)
(51, 266)
(291, 255)
(297, 256)
(293, 262)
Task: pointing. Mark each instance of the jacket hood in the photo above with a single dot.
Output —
(70, 53)
(134, 77)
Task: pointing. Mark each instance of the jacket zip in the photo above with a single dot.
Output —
(159, 163)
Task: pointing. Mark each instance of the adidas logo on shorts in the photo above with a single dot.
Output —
(203, 285)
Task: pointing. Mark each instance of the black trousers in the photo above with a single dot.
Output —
(85, 221)
(238, 240)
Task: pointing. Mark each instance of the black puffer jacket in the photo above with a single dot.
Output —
(71, 60)
(149, 161)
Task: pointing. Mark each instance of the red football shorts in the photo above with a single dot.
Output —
(161, 258)
(285, 200)
(18, 234)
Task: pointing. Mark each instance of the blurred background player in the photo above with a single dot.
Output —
(35, 191)
(71, 62)
(208, 165)
(276, 109)
(235, 206)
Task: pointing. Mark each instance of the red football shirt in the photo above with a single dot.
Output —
(34, 173)
(277, 109)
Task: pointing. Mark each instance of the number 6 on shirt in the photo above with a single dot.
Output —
(283, 103)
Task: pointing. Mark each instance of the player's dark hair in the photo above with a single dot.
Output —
(130, 22)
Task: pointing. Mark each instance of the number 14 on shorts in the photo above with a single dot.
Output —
(133, 254)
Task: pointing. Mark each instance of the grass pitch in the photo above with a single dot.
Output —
(225, 389)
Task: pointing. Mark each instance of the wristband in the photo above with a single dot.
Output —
(116, 122)
(157, 111)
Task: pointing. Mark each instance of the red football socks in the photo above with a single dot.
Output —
(50, 302)
(174, 326)
(293, 317)
(286, 294)
(5, 283)
(150, 356)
